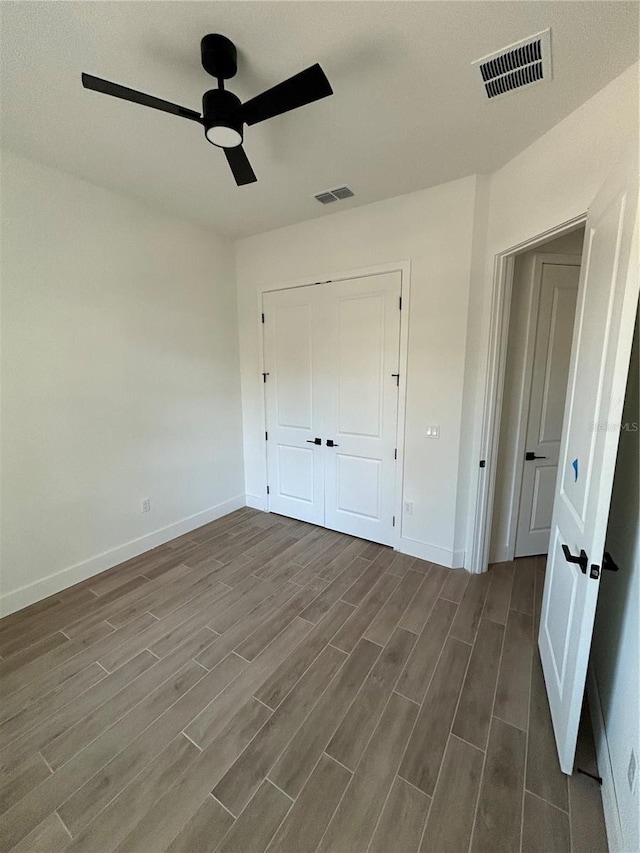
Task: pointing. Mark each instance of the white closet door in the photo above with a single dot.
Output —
(362, 322)
(292, 340)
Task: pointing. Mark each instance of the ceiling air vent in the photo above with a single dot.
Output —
(334, 195)
(342, 192)
(325, 198)
(521, 64)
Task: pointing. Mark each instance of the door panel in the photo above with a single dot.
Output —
(557, 284)
(363, 323)
(295, 474)
(293, 366)
(602, 337)
(293, 404)
(359, 486)
(563, 586)
(542, 504)
(554, 385)
(359, 380)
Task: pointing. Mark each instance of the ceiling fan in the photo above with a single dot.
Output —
(223, 114)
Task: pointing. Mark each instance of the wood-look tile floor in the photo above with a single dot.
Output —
(265, 685)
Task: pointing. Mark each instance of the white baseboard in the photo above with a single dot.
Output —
(36, 591)
(607, 790)
(256, 502)
(432, 553)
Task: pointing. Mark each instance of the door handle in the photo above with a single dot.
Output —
(582, 560)
(331, 443)
(314, 441)
(529, 455)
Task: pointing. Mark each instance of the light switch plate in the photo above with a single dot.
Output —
(433, 432)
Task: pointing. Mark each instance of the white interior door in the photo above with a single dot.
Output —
(602, 337)
(557, 286)
(331, 356)
(293, 358)
(363, 335)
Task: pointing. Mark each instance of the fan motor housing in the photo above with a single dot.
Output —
(221, 109)
(219, 56)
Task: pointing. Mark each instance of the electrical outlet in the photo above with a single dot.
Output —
(408, 507)
(145, 505)
(433, 432)
(631, 770)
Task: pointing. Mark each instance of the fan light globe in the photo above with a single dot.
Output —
(223, 137)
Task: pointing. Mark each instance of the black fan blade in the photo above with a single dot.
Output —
(240, 166)
(303, 88)
(117, 91)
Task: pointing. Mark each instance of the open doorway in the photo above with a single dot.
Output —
(539, 325)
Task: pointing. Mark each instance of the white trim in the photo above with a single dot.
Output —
(525, 382)
(325, 278)
(612, 820)
(36, 591)
(494, 386)
(431, 553)
(403, 368)
(404, 268)
(256, 502)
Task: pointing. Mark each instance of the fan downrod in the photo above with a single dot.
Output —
(219, 56)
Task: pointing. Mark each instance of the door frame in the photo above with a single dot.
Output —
(525, 383)
(501, 291)
(404, 268)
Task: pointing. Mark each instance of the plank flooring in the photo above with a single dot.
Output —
(261, 685)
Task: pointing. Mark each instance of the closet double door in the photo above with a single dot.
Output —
(331, 361)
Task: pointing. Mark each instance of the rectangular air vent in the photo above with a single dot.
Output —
(342, 192)
(325, 198)
(521, 64)
(334, 195)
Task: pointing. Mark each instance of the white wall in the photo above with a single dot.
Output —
(616, 640)
(120, 379)
(551, 182)
(433, 229)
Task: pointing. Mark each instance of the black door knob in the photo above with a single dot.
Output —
(529, 455)
(331, 443)
(314, 441)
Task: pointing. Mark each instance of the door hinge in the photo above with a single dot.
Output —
(396, 376)
(394, 521)
(264, 377)
(400, 303)
(395, 453)
(267, 489)
(263, 318)
(266, 436)
(483, 463)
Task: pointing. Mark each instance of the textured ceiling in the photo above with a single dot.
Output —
(407, 112)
